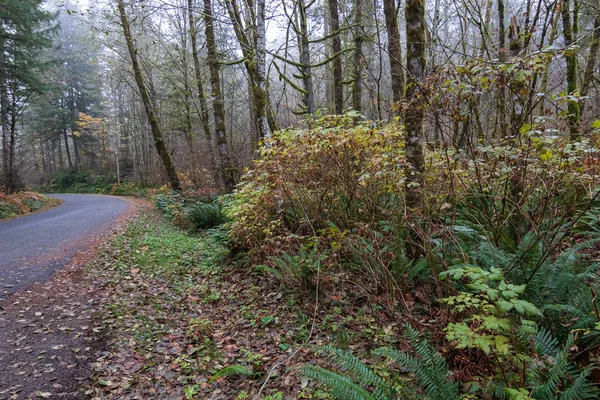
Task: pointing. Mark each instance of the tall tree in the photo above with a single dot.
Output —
(251, 35)
(358, 57)
(336, 47)
(414, 118)
(157, 134)
(25, 30)
(218, 109)
(394, 49)
(570, 55)
(203, 109)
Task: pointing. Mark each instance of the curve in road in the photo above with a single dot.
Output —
(34, 246)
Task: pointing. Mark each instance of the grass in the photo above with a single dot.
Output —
(178, 314)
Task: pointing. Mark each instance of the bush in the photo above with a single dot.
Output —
(191, 212)
(8, 210)
(205, 215)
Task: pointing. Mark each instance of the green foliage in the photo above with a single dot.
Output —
(205, 215)
(8, 210)
(356, 380)
(299, 269)
(232, 370)
(428, 367)
(192, 212)
(355, 377)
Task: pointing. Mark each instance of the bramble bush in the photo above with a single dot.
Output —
(524, 208)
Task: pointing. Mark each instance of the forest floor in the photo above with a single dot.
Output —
(184, 321)
(154, 312)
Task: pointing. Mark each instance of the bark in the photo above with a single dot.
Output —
(254, 52)
(545, 73)
(227, 172)
(4, 115)
(590, 65)
(394, 50)
(336, 48)
(574, 117)
(358, 59)
(306, 70)
(501, 100)
(260, 97)
(155, 127)
(414, 118)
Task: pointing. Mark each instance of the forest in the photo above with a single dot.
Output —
(359, 199)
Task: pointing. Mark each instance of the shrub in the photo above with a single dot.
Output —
(8, 210)
(205, 215)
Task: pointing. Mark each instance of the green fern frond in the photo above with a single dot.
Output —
(340, 386)
(582, 388)
(231, 370)
(361, 373)
(545, 343)
(430, 368)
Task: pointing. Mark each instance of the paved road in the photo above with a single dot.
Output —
(33, 247)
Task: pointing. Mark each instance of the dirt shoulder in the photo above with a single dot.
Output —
(49, 332)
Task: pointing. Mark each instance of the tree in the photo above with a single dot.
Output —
(155, 127)
(569, 28)
(394, 50)
(414, 118)
(336, 47)
(203, 111)
(219, 112)
(25, 30)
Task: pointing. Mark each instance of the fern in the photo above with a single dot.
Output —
(545, 343)
(205, 215)
(362, 374)
(559, 378)
(341, 386)
(430, 368)
(231, 370)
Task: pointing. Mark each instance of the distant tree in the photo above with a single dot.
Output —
(149, 107)
(25, 30)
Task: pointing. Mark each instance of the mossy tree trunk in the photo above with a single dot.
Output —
(394, 50)
(227, 171)
(306, 69)
(203, 109)
(358, 57)
(590, 65)
(336, 47)
(155, 127)
(574, 117)
(413, 121)
(503, 79)
(251, 36)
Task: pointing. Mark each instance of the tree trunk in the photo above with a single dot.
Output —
(590, 64)
(306, 71)
(358, 59)
(203, 114)
(394, 50)
(336, 48)
(546, 71)
(413, 121)
(218, 109)
(574, 116)
(254, 52)
(155, 127)
(4, 114)
(260, 98)
(501, 100)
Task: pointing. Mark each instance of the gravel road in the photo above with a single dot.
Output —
(34, 246)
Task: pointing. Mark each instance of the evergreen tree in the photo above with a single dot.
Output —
(25, 31)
